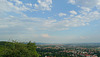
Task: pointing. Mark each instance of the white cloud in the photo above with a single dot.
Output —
(79, 20)
(62, 14)
(72, 1)
(85, 9)
(29, 4)
(82, 19)
(3, 26)
(30, 29)
(73, 12)
(11, 16)
(34, 23)
(43, 5)
(10, 7)
(86, 3)
(17, 2)
(45, 36)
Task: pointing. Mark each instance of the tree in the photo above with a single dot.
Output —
(16, 49)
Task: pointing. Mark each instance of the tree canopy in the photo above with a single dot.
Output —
(17, 49)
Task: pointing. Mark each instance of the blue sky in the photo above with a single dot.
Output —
(50, 21)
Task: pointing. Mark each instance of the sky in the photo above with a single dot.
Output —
(50, 21)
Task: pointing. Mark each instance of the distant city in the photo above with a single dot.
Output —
(69, 50)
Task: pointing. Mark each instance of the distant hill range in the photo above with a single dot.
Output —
(76, 44)
(85, 44)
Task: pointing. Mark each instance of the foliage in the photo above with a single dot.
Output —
(16, 49)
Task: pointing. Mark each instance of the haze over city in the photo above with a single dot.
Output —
(50, 21)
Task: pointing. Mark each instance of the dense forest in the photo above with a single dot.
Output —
(17, 49)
